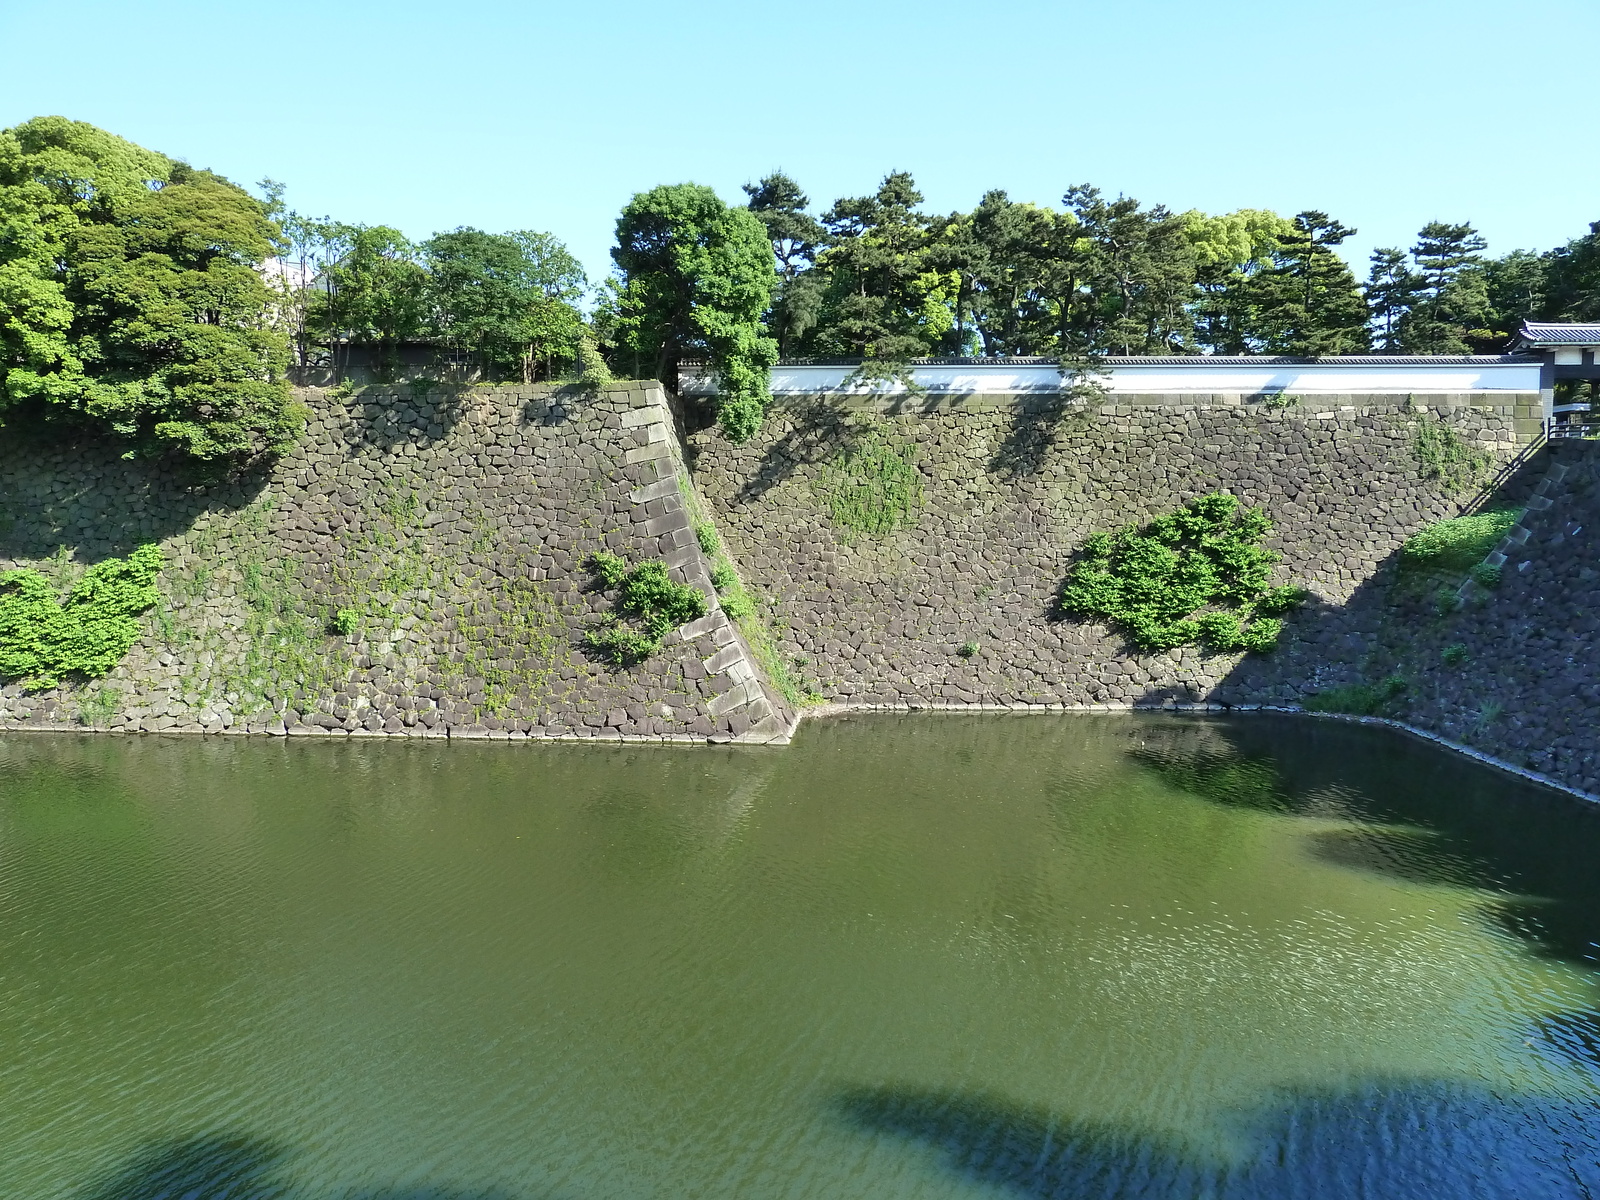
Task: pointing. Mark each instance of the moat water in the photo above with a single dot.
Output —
(919, 956)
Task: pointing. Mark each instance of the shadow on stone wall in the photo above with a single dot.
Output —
(819, 432)
(386, 417)
(1035, 426)
(111, 504)
(1525, 691)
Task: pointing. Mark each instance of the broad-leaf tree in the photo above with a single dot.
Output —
(376, 294)
(696, 279)
(130, 297)
(506, 298)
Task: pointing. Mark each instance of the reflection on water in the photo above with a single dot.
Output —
(930, 956)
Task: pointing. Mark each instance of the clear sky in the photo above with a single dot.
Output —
(502, 115)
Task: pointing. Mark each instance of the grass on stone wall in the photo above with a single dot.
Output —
(1456, 545)
(872, 486)
(1359, 699)
(741, 605)
(1435, 561)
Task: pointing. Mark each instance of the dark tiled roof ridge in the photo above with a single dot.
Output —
(1582, 332)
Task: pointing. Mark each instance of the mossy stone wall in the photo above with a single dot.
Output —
(453, 525)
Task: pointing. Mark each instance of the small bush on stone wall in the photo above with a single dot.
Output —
(1197, 575)
(658, 603)
(43, 641)
(872, 486)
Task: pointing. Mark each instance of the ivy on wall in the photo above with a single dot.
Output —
(43, 640)
(1446, 457)
(872, 486)
(1196, 575)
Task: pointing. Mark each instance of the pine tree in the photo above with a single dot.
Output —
(1390, 291)
(780, 205)
(1307, 302)
(1452, 304)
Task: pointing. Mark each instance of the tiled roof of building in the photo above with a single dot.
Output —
(1538, 333)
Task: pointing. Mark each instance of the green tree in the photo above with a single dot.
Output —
(1008, 265)
(376, 293)
(1230, 250)
(1452, 296)
(130, 297)
(1390, 291)
(507, 298)
(1307, 301)
(885, 301)
(1572, 279)
(780, 205)
(697, 277)
(1515, 284)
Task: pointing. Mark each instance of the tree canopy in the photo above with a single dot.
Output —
(131, 300)
(697, 278)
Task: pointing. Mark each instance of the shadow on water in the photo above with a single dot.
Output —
(1408, 1141)
(1413, 813)
(239, 1167)
(1417, 815)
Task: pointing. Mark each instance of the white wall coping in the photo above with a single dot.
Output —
(1232, 375)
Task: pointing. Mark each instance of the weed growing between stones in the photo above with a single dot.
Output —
(1197, 575)
(967, 649)
(98, 705)
(1359, 699)
(43, 640)
(657, 602)
(1443, 455)
(872, 486)
(1454, 655)
(508, 644)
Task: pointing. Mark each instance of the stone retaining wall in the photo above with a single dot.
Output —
(454, 525)
(1010, 490)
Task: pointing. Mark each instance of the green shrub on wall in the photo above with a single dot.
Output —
(648, 594)
(1197, 575)
(43, 641)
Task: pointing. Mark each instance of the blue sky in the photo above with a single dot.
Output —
(503, 115)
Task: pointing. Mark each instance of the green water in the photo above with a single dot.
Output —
(908, 956)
